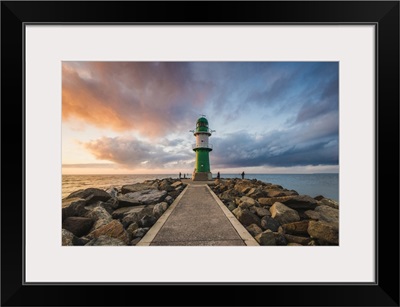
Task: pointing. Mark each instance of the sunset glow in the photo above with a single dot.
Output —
(135, 117)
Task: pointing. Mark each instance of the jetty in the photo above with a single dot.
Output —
(197, 217)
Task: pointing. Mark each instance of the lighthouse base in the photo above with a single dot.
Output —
(202, 176)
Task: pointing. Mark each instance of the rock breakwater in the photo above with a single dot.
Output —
(274, 215)
(116, 217)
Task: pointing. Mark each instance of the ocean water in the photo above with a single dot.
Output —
(308, 184)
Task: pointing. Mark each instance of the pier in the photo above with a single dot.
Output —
(197, 218)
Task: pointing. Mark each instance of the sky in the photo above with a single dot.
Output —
(135, 117)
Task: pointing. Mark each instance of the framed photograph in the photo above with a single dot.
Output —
(105, 87)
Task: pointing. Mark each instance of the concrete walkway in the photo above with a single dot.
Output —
(197, 218)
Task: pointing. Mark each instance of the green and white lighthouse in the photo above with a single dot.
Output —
(202, 148)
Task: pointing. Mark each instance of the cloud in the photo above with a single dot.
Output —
(135, 153)
(152, 98)
(315, 144)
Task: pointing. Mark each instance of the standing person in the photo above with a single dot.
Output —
(180, 175)
(242, 175)
(218, 175)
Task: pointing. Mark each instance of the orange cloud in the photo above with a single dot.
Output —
(152, 98)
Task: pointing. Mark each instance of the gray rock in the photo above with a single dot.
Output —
(254, 230)
(327, 214)
(169, 199)
(284, 214)
(105, 241)
(73, 207)
(130, 188)
(145, 197)
(268, 222)
(326, 233)
(276, 193)
(100, 216)
(231, 206)
(312, 215)
(246, 217)
(67, 238)
(246, 202)
(132, 227)
(147, 221)
(266, 238)
(124, 211)
(280, 239)
(300, 202)
(261, 212)
(166, 186)
(79, 226)
(177, 184)
(91, 195)
(113, 192)
(159, 209)
(330, 202)
(140, 232)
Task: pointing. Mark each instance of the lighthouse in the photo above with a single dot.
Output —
(202, 149)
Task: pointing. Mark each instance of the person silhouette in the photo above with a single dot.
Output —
(218, 175)
(242, 175)
(180, 175)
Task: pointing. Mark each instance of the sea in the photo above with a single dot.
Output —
(307, 184)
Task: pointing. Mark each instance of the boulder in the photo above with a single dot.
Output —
(145, 197)
(269, 201)
(243, 186)
(280, 239)
(113, 192)
(230, 194)
(114, 229)
(73, 207)
(246, 202)
(136, 187)
(169, 199)
(246, 217)
(319, 197)
(177, 184)
(266, 238)
(91, 195)
(256, 193)
(147, 221)
(105, 241)
(67, 238)
(268, 222)
(159, 209)
(139, 233)
(100, 216)
(326, 233)
(297, 239)
(254, 230)
(284, 214)
(261, 212)
(327, 214)
(294, 244)
(79, 226)
(231, 206)
(329, 202)
(300, 202)
(275, 193)
(132, 227)
(166, 186)
(124, 211)
(312, 215)
(296, 228)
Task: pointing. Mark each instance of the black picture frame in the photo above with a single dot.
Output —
(383, 14)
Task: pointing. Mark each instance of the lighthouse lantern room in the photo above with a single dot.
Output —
(202, 149)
